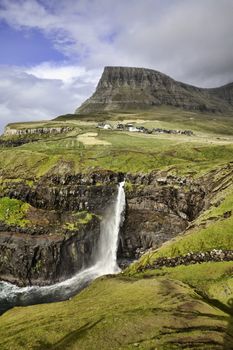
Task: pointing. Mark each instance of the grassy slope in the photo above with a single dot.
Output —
(213, 229)
(212, 280)
(120, 313)
(211, 146)
(166, 117)
(13, 211)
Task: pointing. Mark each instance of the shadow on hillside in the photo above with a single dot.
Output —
(70, 339)
(228, 310)
(228, 341)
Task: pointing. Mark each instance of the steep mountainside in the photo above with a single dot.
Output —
(126, 88)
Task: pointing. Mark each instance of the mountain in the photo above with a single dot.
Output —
(128, 88)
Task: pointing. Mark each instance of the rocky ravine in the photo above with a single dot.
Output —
(128, 88)
(158, 208)
(61, 231)
(64, 216)
(61, 227)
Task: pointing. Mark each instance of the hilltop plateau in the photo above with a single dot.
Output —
(127, 88)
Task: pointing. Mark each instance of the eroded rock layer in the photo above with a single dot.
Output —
(61, 228)
(46, 258)
(158, 208)
(128, 88)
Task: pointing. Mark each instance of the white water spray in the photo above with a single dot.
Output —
(105, 262)
(107, 251)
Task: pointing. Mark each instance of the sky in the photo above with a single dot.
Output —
(53, 51)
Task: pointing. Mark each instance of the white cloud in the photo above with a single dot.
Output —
(190, 40)
(24, 96)
(66, 73)
(26, 13)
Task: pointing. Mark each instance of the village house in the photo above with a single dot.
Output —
(104, 126)
(132, 128)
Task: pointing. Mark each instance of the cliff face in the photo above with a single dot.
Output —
(158, 208)
(57, 242)
(59, 232)
(125, 88)
(225, 92)
(61, 225)
(40, 257)
(39, 131)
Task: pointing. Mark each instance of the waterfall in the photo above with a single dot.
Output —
(108, 244)
(105, 262)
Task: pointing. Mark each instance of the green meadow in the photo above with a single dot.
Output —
(210, 146)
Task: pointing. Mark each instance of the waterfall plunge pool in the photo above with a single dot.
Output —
(105, 262)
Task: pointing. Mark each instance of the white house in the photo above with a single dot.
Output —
(133, 129)
(107, 127)
(104, 126)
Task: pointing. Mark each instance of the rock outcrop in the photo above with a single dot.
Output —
(10, 131)
(215, 255)
(127, 88)
(53, 246)
(158, 208)
(62, 230)
(44, 258)
(91, 192)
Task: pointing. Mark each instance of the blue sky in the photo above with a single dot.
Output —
(26, 47)
(53, 52)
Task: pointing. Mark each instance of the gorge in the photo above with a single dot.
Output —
(64, 221)
(102, 262)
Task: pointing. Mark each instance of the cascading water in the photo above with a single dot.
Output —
(105, 262)
(106, 257)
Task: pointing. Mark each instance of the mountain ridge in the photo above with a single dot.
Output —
(131, 88)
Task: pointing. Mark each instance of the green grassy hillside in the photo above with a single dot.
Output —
(167, 310)
(211, 145)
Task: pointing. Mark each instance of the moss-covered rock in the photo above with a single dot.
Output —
(13, 212)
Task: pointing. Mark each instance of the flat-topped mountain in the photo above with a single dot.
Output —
(127, 88)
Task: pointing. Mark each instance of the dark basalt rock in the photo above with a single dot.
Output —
(158, 207)
(128, 88)
(92, 192)
(47, 252)
(191, 258)
(45, 259)
(14, 143)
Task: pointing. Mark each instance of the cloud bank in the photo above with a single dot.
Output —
(191, 40)
(28, 95)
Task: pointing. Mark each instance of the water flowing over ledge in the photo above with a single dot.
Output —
(104, 262)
